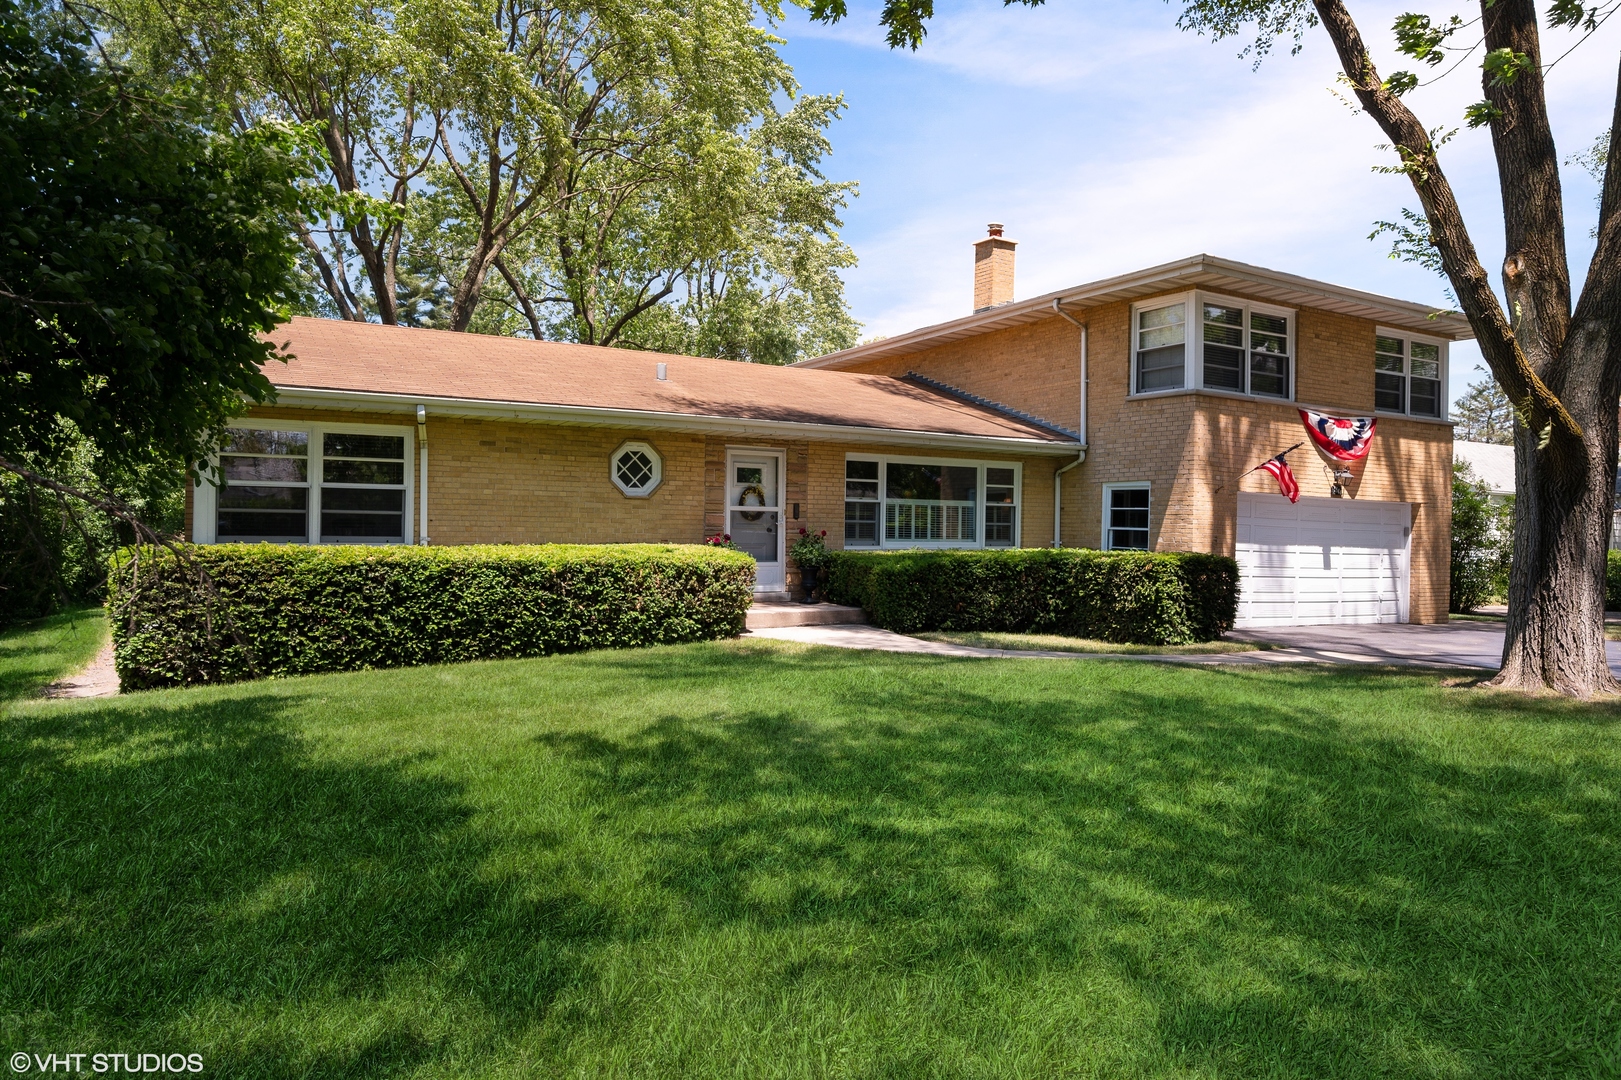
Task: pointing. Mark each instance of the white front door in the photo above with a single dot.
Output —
(754, 513)
(1321, 560)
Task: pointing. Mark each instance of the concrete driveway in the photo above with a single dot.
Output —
(1454, 644)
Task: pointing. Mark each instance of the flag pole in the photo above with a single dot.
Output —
(1274, 457)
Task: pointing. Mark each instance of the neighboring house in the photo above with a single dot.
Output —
(1118, 415)
(1491, 463)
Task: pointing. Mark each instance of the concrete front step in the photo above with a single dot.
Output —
(766, 616)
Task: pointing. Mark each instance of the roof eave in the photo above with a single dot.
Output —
(530, 412)
(1289, 289)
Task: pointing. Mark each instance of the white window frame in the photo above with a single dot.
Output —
(1193, 303)
(205, 501)
(1108, 491)
(658, 469)
(1408, 337)
(1187, 300)
(981, 464)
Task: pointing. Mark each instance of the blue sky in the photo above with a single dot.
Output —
(1108, 141)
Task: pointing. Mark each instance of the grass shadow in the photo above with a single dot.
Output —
(188, 869)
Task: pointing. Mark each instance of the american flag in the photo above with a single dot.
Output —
(1285, 476)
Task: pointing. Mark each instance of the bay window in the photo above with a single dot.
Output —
(1237, 347)
(308, 483)
(1408, 375)
(904, 502)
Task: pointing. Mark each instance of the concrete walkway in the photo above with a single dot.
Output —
(100, 679)
(870, 637)
(1471, 645)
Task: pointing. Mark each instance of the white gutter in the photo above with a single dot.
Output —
(422, 485)
(294, 396)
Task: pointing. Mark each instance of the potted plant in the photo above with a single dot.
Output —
(721, 540)
(811, 554)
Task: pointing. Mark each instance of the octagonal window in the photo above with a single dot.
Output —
(636, 469)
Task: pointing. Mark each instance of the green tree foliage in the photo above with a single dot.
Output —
(617, 172)
(727, 250)
(342, 67)
(54, 548)
(1482, 539)
(143, 250)
(1484, 414)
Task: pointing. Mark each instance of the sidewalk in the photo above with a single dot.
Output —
(1467, 645)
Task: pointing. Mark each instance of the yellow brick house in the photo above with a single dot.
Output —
(1179, 378)
(1104, 415)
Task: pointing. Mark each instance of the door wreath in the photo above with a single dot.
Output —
(758, 493)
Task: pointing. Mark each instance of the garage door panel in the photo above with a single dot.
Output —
(1320, 560)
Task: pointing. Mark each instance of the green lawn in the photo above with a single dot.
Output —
(991, 639)
(763, 860)
(40, 652)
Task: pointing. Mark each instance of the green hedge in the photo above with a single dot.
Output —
(1128, 597)
(294, 610)
(1612, 582)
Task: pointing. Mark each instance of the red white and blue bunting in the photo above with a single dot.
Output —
(1346, 438)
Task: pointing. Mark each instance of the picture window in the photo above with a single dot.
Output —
(902, 503)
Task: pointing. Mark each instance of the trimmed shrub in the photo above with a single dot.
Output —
(1128, 597)
(1612, 582)
(282, 609)
(1482, 542)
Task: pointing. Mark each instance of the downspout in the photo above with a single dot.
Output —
(1058, 475)
(1086, 377)
(422, 484)
(1058, 498)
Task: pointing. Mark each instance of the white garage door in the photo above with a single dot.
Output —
(1321, 561)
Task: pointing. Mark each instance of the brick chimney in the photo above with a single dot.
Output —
(993, 269)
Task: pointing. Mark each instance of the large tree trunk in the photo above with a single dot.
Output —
(1560, 369)
(1555, 633)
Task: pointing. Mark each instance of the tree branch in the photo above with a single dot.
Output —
(522, 297)
(1538, 404)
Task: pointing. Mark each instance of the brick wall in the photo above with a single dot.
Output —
(1190, 446)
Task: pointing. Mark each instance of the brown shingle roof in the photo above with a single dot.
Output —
(366, 358)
